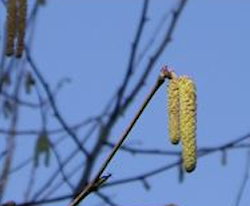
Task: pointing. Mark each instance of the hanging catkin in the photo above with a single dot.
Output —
(10, 27)
(22, 7)
(187, 94)
(173, 111)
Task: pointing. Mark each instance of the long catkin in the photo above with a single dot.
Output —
(10, 27)
(22, 10)
(187, 96)
(173, 111)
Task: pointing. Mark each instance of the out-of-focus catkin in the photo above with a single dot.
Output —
(10, 27)
(173, 111)
(187, 95)
(22, 10)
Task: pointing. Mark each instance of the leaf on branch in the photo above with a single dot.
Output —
(42, 147)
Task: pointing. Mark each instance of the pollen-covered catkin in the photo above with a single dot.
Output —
(187, 97)
(173, 111)
(22, 10)
(10, 27)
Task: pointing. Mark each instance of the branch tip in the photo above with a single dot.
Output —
(167, 72)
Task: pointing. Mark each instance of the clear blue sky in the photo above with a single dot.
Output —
(89, 41)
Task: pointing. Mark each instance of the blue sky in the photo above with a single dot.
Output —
(89, 41)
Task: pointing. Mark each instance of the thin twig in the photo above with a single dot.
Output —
(59, 130)
(105, 198)
(53, 103)
(133, 52)
(160, 80)
(140, 151)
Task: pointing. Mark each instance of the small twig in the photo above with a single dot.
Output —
(153, 38)
(60, 165)
(106, 199)
(165, 73)
(58, 130)
(134, 48)
(140, 151)
(53, 103)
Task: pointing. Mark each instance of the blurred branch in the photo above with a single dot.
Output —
(53, 103)
(201, 153)
(168, 36)
(227, 146)
(106, 199)
(122, 105)
(117, 111)
(152, 40)
(65, 162)
(50, 131)
(135, 151)
(133, 53)
(61, 166)
(10, 139)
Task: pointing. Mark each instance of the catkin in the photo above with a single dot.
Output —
(173, 111)
(10, 27)
(187, 97)
(22, 7)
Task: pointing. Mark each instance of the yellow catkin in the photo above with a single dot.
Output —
(10, 27)
(173, 111)
(22, 10)
(187, 94)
